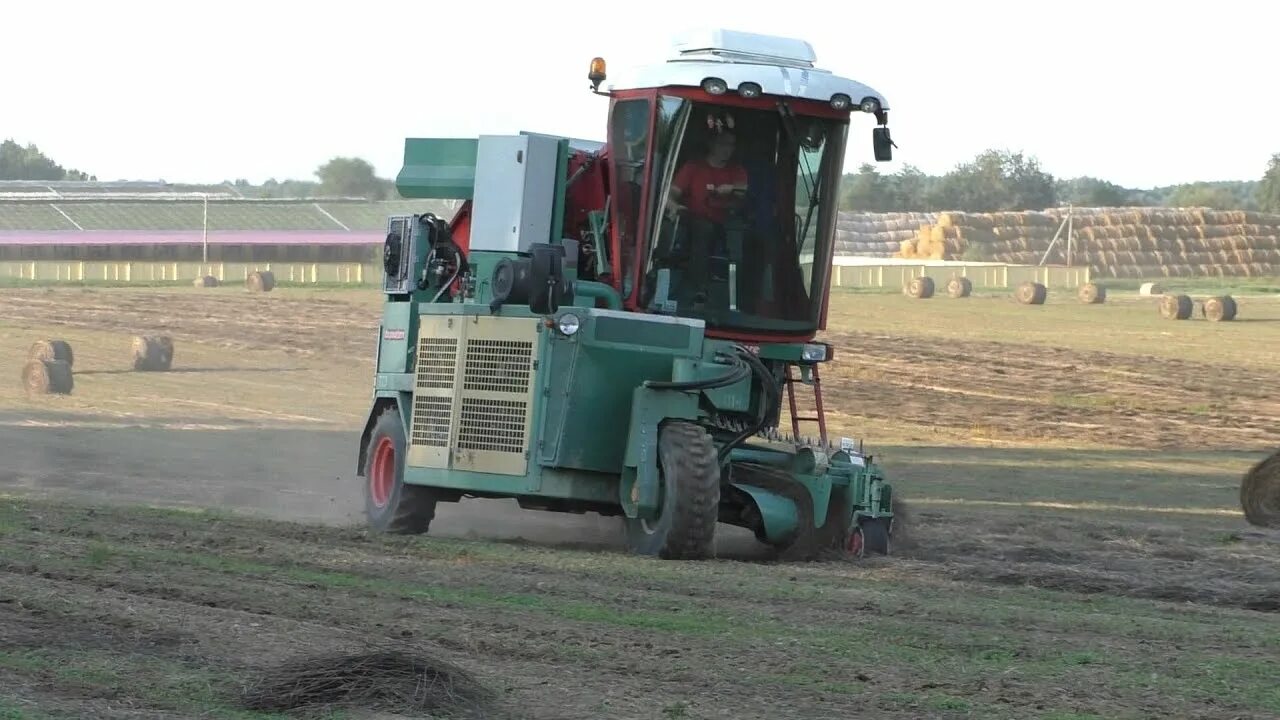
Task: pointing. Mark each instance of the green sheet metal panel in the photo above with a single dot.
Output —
(588, 401)
(438, 168)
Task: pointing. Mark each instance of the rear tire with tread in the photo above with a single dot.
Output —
(391, 506)
(689, 478)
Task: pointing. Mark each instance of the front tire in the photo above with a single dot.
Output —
(390, 505)
(689, 491)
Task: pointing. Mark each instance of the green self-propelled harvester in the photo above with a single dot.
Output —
(615, 327)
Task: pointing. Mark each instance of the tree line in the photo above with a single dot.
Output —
(994, 180)
(339, 177)
(1006, 180)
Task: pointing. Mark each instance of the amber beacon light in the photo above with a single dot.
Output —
(596, 73)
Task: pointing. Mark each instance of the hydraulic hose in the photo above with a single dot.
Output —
(741, 371)
(772, 402)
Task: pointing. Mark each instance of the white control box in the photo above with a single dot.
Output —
(514, 202)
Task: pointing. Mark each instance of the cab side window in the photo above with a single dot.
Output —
(629, 146)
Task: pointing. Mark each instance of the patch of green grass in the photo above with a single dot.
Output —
(12, 710)
(161, 683)
(1087, 401)
(937, 648)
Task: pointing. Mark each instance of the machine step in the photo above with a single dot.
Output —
(820, 415)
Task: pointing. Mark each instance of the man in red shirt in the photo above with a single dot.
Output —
(707, 188)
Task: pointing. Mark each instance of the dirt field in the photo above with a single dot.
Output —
(1075, 545)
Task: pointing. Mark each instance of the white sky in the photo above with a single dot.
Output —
(266, 88)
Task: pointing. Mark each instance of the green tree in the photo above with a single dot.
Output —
(1206, 195)
(910, 189)
(351, 177)
(1093, 192)
(867, 191)
(28, 163)
(995, 180)
(1267, 194)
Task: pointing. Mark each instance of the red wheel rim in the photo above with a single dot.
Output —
(382, 472)
(853, 544)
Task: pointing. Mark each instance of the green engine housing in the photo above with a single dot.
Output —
(585, 407)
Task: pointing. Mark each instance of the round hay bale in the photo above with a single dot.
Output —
(1150, 288)
(260, 281)
(1260, 492)
(205, 281)
(959, 287)
(1031, 293)
(1176, 307)
(52, 350)
(1219, 309)
(1092, 294)
(920, 287)
(44, 377)
(152, 353)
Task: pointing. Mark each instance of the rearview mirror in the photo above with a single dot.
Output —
(882, 143)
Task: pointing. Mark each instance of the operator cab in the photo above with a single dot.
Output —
(725, 164)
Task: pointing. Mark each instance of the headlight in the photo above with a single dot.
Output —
(813, 353)
(749, 90)
(714, 86)
(568, 323)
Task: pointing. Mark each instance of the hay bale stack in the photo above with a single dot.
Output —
(260, 281)
(52, 349)
(1219, 309)
(1092, 294)
(205, 281)
(1031, 293)
(1260, 492)
(1175, 307)
(1112, 242)
(959, 287)
(878, 234)
(920, 287)
(45, 377)
(152, 353)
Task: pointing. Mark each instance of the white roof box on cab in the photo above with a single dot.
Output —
(721, 45)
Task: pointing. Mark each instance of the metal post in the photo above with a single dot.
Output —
(204, 232)
(1069, 234)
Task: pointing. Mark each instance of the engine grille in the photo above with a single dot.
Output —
(473, 394)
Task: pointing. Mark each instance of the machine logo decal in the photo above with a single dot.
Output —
(393, 334)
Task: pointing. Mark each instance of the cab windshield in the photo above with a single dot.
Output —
(743, 202)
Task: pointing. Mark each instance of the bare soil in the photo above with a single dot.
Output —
(1074, 547)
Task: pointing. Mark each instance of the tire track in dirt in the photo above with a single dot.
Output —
(1036, 394)
(303, 326)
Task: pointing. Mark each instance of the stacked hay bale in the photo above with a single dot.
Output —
(1260, 492)
(48, 369)
(152, 353)
(260, 281)
(1112, 242)
(877, 234)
